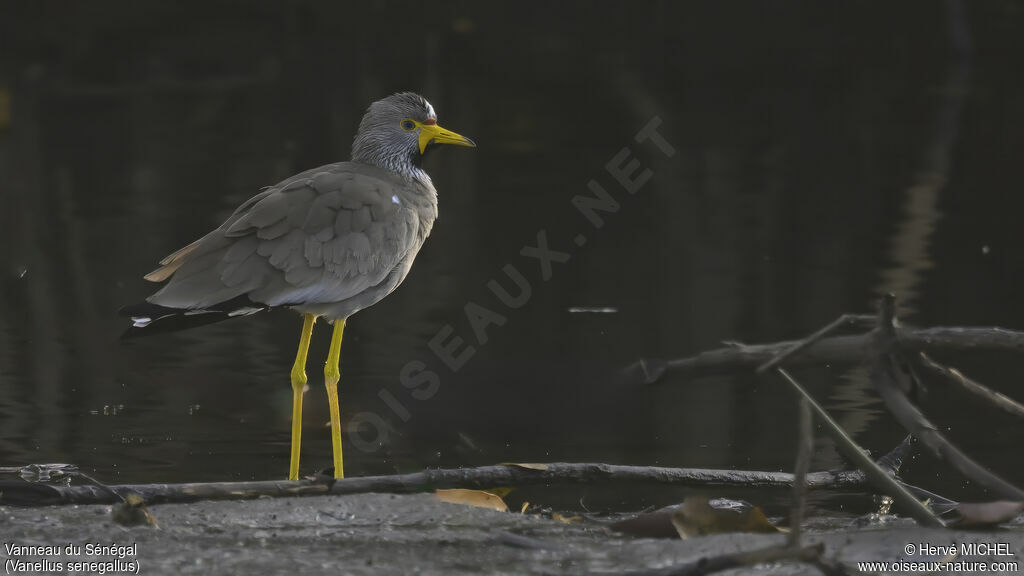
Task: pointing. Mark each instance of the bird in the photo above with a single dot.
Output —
(326, 243)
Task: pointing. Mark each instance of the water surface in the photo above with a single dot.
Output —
(823, 155)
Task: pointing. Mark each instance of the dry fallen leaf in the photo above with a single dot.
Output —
(698, 516)
(132, 512)
(984, 514)
(501, 491)
(526, 465)
(478, 498)
(565, 519)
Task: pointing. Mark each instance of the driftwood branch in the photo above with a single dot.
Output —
(804, 451)
(879, 477)
(20, 493)
(976, 390)
(886, 349)
(892, 380)
(842, 321)
(849, 349)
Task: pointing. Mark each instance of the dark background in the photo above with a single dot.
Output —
(826, 153)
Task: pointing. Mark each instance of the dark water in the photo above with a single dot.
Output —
(824, 153)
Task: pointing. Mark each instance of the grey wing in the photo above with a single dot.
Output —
(323, 237)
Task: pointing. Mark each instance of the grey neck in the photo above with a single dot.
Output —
(405, 164)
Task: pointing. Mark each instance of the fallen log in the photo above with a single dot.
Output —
(849, 349)
(21, 493)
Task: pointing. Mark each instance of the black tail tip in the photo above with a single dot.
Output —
(148, 318)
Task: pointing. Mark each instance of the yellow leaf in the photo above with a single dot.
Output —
(477, 498)
(525, 506)
(132, 512)
(501, 491)
(698, 516)
(528, 466)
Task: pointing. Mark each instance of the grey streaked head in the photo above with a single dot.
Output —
(395, 132)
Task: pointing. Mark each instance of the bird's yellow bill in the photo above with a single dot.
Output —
(434, 133)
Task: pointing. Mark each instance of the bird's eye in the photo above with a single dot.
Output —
(408, 125)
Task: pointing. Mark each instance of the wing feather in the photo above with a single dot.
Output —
(320, 237)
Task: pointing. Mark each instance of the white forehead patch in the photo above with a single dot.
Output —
(430, 110)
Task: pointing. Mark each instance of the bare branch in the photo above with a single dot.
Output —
(879, 478)
(892, 382)
(805, 449)
(977, 390)
(833, 349)
(20, 493)
(844, 320)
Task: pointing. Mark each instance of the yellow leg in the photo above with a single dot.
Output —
(298, 385)
(332, 373)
